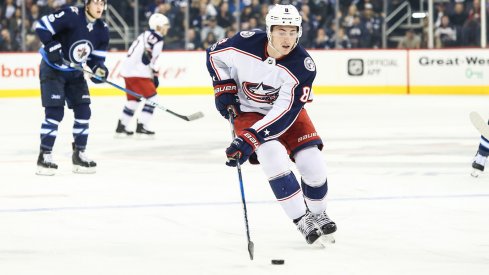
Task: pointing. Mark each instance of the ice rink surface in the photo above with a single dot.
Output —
(400, 192)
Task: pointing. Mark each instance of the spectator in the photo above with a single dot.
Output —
(459, 15)
(358, 34)
(209, 40)
(193, 40)
(445, 34)
(373, 24)
(7, 43)
(410, 41)
(321, 40)
(212, 27)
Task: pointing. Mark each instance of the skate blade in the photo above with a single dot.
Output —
(83, 170)
(42, 171)
(145, 136)
(326, 240)
(122, 136)
(476, 173)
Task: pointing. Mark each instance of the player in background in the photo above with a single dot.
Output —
(140, 72)
(81, 37)
(266, 79)
(480, 157)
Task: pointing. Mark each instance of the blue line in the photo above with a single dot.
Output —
(193, 204)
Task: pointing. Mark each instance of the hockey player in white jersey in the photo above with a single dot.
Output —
(140, 72)
(266, 78)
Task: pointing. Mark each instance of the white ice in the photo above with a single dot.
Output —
(399, 179)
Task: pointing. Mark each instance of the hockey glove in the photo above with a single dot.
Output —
(242, 147)
(226, 93)
(156, 81)
(101, 71)
(147, 56)
(54, 52)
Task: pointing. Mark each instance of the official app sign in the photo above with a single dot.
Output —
(355, 67)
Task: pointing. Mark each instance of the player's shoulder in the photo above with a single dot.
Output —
(153, 36)
(300, 63)
(247, 41)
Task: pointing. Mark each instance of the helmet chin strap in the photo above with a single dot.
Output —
(90, 17)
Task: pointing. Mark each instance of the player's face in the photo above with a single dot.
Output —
(283, 38)
(163, 29)
(96, 8)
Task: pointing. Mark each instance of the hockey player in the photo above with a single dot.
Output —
(266, 79)
(140, 72)
(480, 157)
(78, 36)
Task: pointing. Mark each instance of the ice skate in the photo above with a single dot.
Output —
(143, 132)
(121, 131)
(307, 227)
(82, 164)
(326, 226)
(45, 164)
(478, 165)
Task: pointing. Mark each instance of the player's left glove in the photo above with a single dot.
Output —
(101, 71)
(242, 147)
(156, 81)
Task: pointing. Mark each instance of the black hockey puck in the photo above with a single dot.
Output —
(278, 261)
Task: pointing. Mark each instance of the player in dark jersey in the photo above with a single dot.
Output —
(266, 78)
(70, 35)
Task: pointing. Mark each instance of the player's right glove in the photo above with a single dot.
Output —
(101, 71)
(226, 96)
(242, 147)
(156, 80)
(54, 52)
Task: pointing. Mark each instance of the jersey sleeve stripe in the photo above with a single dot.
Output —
(100, 53)
(46, 23)
(214, 67)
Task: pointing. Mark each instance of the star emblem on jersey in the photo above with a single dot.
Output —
(90, 27)
(260, 92)
(267, 132)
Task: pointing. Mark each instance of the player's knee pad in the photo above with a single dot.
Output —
(82, 111)
(54, 113)
(273, 158)
(311, 166)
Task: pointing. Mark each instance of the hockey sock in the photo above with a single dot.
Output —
(49, 131)
(80, 133)
(147, 111)
(484, 147)
(80, 126)
(128, 112)
(315, 197)
(49, 128)
(289, 194)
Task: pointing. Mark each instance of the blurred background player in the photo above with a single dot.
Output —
(480, 157)
(140, 72)
(266, 78)
(78, 36)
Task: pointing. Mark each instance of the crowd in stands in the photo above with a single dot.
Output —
(457, 22)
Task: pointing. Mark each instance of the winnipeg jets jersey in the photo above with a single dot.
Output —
(276, 88)
(133, 65)
(82, 41)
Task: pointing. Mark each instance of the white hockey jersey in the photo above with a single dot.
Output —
(277, 89)
(133, 65)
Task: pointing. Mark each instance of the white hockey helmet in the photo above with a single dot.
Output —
(283, 15)
(158, 20)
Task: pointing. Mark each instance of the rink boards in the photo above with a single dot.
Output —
(443, 72)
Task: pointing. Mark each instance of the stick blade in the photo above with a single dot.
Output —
(251, 249)
(480, 124)
(195, 116)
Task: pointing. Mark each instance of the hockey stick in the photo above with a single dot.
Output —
(191, 117)
(251, 245)
(480, 124)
